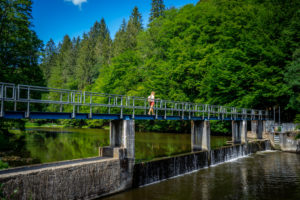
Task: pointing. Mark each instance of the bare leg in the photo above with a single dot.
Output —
(152, 110)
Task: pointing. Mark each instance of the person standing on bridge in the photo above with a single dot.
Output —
(151, 100)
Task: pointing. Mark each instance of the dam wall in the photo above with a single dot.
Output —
(161, 169)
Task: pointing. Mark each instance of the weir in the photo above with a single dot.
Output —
(115, 169)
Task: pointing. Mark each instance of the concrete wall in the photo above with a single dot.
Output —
(285, 141)
(84, 179)
(153, 171)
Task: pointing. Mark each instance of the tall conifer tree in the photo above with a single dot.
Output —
(135, 25)
(48, 60)
(157, 10)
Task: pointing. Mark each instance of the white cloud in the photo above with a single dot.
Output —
(77, 2)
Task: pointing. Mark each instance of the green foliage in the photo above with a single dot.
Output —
(95, 123)
(157, 9)
(3, 165)
(293, 81)
(228, 52)
(220, 127)
(19, 45)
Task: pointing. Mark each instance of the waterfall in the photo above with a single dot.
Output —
(161, 169)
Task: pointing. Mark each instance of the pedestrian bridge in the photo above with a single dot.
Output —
(35, 102)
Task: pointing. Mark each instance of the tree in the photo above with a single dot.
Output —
(48, 59)
(157, 9)
(19, 45)
(103, 47)
(292, 78)
(87, 70)
(135, 25)
(63, 71)
(120, 41)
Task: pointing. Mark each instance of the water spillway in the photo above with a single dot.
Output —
(164, 168)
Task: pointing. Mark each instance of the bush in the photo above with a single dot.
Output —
(3, 165)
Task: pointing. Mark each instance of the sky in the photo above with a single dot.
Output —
(56, 18)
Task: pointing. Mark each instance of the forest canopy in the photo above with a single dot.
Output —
(242, 53)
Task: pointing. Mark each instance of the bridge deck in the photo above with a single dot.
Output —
(58, 115)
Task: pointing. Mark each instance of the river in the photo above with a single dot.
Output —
(264, 175)
(43, 145)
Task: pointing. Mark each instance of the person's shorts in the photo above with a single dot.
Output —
(152, 103)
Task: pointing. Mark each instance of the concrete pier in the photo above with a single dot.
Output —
(200, 135)
(122, 137)
(257, 128)
(236, 133)
(243, 129)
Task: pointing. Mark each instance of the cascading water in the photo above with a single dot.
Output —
(154, 171)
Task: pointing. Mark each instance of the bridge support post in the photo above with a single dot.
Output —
(236, 132)
(243, 129)
(200, 135)
(122, 139)
(257, 128)
(260, 129)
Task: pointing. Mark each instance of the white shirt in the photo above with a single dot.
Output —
(151, 97)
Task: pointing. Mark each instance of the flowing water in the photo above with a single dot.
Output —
(264, 175)
(42, 145)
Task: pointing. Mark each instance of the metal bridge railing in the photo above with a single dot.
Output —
(24, 96)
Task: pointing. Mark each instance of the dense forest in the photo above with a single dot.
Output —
(243, 53)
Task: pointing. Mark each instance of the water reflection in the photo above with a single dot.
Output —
(43, 145)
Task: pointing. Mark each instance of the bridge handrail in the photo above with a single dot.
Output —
(24, 94)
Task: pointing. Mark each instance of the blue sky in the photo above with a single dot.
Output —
(56, 18)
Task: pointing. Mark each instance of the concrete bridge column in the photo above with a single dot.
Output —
(122, 140)
(236, 132)
(243, 129)
(200, 135)
(257, 128)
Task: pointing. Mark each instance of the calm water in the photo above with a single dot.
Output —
(57, 144)
(268, 175)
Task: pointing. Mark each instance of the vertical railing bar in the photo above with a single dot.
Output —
(133, 107)
(183, 104)
(28, 103)
(91, 108)
(121, 115)
(156, 109)
(165, 110)
(78, 101)
(189, 107)
(109, 101)
(73, 103)
(60, 102)
(2, 102)
(145, 106)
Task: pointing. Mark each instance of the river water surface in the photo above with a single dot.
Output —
(265, 175)
(43, 145)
